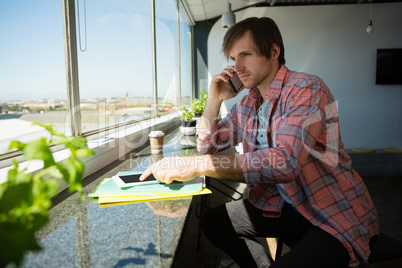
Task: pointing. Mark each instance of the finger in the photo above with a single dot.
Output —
(229, 69)
(220, 77)
(168, 179)
(159, 176)
(146, 173)
(226, 75)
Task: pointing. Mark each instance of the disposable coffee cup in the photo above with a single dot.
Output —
(156, 141)
(156, 157)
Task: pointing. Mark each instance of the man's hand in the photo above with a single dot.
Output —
(171, 169)
(220, 89)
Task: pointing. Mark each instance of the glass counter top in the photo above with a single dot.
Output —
(132, 235)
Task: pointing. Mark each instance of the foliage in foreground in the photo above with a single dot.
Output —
(25, 198)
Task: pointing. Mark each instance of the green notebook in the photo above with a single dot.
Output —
(108, 187)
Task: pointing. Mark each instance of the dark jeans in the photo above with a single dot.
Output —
(233, 227)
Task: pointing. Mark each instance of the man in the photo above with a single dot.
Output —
(300, 180)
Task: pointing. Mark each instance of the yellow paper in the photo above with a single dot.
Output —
(148, 198)
(104, 205)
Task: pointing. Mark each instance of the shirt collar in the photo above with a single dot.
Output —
(254, 93)
(276, 85)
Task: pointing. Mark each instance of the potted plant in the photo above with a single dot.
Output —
(25, 198)
(187, 117)
(198, 105)
(187, 122)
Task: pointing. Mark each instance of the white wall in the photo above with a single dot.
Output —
(331, 42)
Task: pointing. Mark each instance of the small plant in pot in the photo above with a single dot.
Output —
(199, 104)
(187, 117)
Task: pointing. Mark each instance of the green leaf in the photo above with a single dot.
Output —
(73, 169)
(52, 187)
(39, 149)
(52, 172)
(45, 189)
(13, 196)
(76, 143)
(15, 240)
(187, 115)
(60, 141)
(25, 199)
(81, 153)
(16, 176)
(62, 170)
(17, 145)
(49, 128)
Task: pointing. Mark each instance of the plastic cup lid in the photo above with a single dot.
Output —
(156, 134)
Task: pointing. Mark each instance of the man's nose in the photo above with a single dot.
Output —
(238, 66)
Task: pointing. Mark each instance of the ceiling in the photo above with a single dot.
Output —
(209, 9)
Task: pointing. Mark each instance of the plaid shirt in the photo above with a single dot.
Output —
(305, 153)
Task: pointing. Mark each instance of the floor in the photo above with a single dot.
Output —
(196, 251)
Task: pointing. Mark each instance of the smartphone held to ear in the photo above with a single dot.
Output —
(235, 83)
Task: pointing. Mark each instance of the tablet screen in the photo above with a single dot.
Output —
(135, 178)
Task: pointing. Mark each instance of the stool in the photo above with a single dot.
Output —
(383, 248)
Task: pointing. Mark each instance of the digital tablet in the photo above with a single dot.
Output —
(128, 179)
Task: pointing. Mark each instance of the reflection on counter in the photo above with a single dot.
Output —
(188, 142)
(170, 208)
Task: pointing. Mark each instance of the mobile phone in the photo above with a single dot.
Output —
(235, 83)
(125, 179)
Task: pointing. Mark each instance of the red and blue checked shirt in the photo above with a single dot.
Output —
(305, 153)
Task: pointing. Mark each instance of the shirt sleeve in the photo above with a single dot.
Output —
(224, 135)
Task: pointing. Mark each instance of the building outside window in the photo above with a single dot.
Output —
(32, 69)
(166, 54)
(185, 63)
(114, 62)
(114, 51)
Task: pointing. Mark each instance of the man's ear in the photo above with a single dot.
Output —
(275, 51)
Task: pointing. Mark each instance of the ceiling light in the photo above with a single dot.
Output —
(228, 18)
(370, 27)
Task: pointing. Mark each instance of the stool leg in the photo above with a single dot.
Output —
(278, 249)
(275, 248)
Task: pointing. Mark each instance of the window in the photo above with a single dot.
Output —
(115, 70)
(114, 62)
(185, 62)
(166, 54)
(32, 69)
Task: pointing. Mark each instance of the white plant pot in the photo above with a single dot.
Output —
(188, 130)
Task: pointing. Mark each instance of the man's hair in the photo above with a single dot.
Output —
(264, 33)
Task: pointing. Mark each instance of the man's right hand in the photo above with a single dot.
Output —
(220, 89)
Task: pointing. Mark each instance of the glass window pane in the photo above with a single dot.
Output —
(32, 69)
(166, 49)
(116, 68)
(185, 62)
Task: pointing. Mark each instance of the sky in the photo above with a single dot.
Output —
(116, 35)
